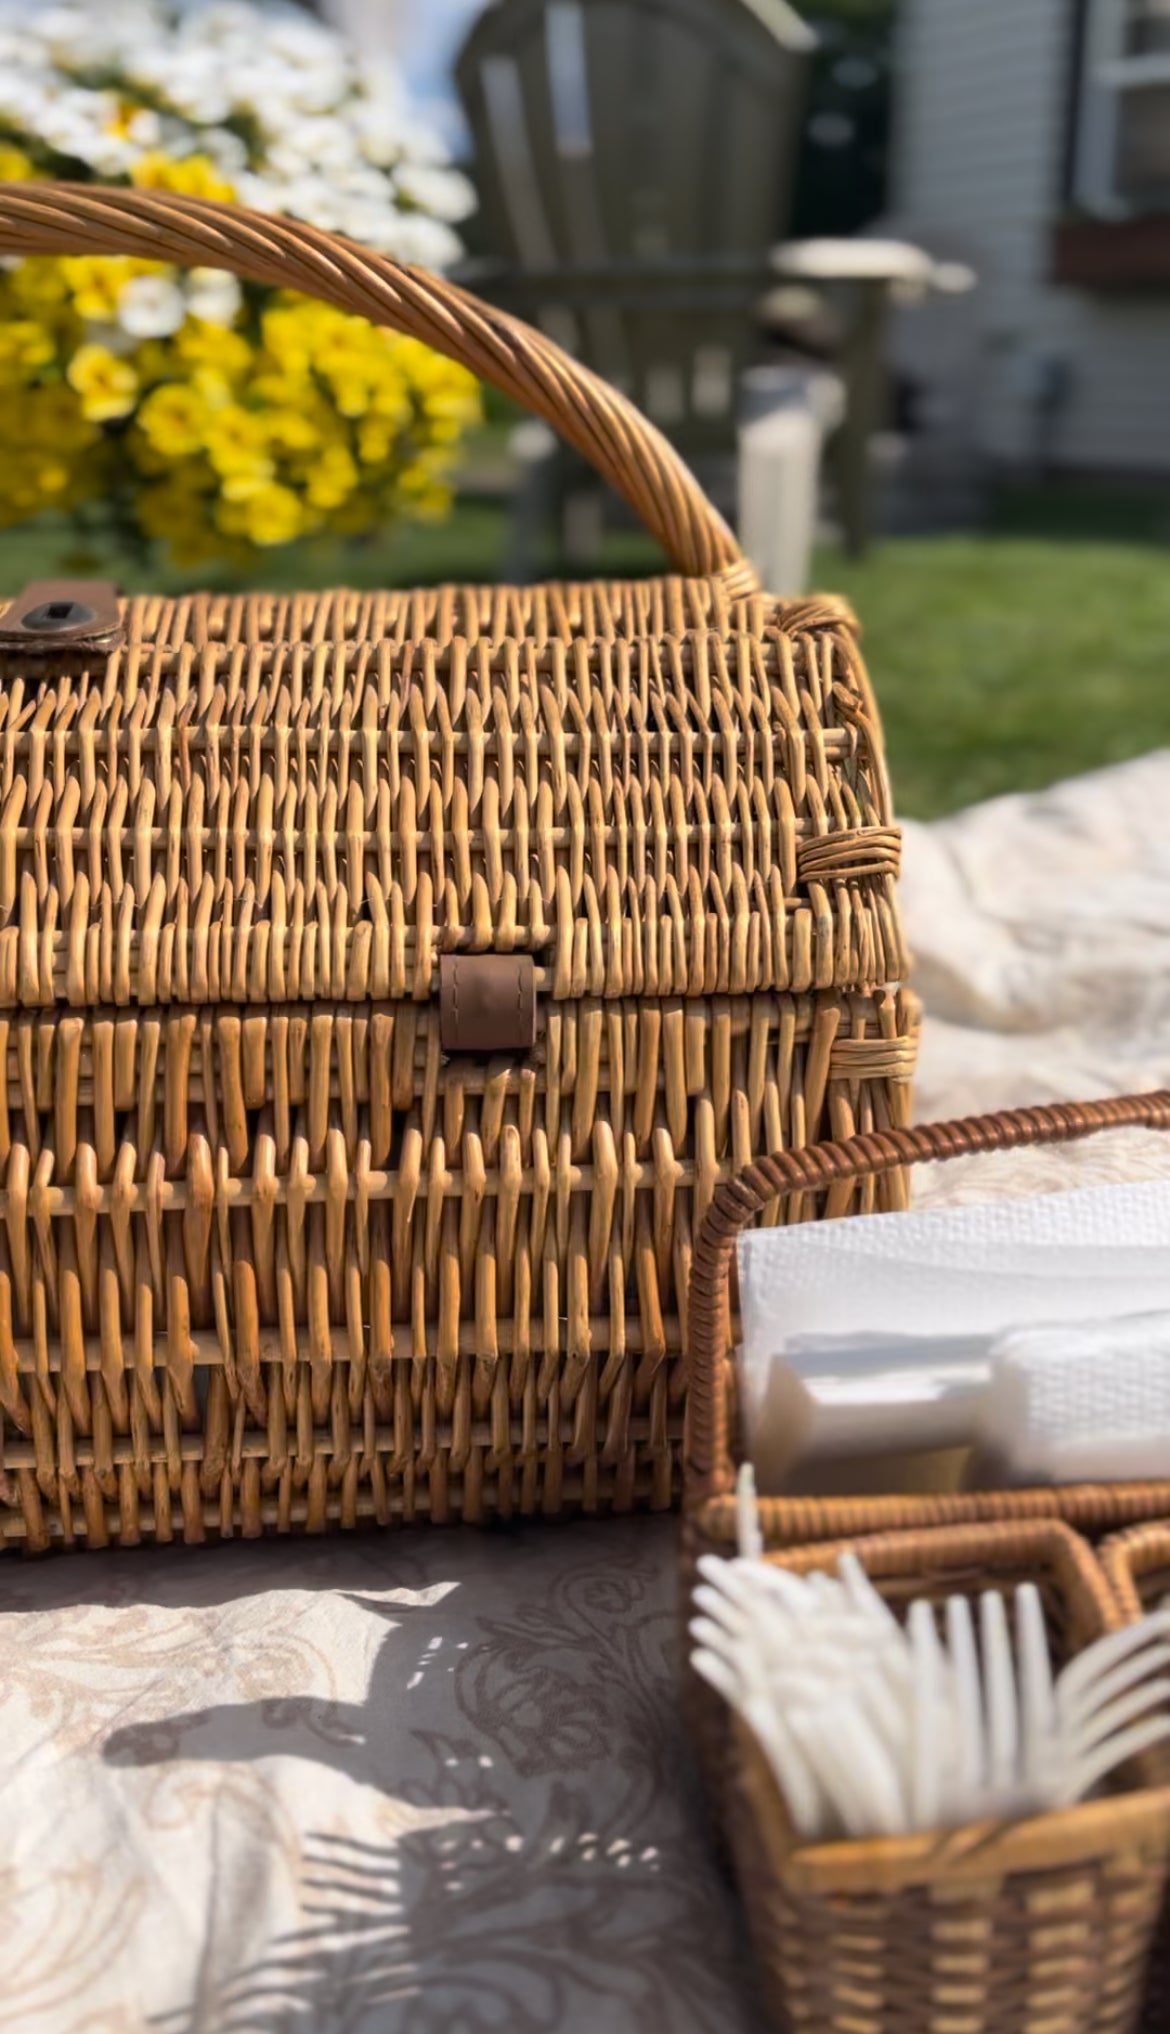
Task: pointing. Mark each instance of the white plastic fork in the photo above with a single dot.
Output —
(871, 1727)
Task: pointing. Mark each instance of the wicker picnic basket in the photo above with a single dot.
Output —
(387, 982)
(1000, 1929)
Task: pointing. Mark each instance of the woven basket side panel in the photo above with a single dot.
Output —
(273, 1268)
(234, 819)
(1062, 1949)
(1063, 1944)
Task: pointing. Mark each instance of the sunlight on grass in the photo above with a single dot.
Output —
(1005, 662)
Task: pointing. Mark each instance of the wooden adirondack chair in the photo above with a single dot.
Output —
(634, 163)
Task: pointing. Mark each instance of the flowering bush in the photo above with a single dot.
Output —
(215, 416)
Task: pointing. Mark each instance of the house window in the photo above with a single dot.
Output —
(1122, 153)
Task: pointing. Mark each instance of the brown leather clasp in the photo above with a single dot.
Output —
(58, 614)
(487, 1002)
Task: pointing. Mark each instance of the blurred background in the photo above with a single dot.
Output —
(894, 275)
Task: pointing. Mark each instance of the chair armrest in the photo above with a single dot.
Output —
(896, 263)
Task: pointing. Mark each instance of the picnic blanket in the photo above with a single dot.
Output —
(437, 1783)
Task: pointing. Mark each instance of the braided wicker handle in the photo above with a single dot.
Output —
(737, 1200)
(604, 426)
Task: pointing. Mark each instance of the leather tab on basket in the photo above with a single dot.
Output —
(53, 614)
(487, 1002)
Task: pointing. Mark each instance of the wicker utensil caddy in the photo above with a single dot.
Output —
(388, 981)
(1058, 1922)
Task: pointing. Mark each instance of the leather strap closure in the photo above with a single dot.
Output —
(57, 614)
(487, 1002)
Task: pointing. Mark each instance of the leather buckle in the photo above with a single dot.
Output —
(487, 1002)
(52, 614)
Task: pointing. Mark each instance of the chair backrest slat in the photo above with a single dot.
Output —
(634, 163)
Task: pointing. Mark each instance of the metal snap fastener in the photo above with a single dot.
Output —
(59, 614)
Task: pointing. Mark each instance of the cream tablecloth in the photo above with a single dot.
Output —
(437, 1784)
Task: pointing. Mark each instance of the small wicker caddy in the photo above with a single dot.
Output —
(388, 981)
(1038, 1927)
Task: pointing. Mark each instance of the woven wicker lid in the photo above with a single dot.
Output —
(670, 789)
(652, 790)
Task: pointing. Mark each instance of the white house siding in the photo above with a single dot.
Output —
(980, 116)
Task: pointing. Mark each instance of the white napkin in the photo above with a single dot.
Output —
(1094, 1254)
(1080, 1400)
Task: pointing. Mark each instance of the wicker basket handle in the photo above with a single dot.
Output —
(737, 1200)
(619, 443)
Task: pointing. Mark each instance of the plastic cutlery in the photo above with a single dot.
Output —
(873, 1727)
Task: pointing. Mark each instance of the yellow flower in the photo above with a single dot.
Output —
(392, 402)
(237, 446)
(292, 430)
(429, 500)
(53, 476)
(97, 281)
(375, 440)
(108, 387)
(272, 515)
(332, 478)
(215, 347)
(15, 166)
(38, 283)
(25, 345)
(286, 333)
(303, 418)
(96, 285)
(174, 418)
(450, 409)
(195, 176)
(52, 417)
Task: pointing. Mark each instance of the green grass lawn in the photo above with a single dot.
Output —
(1001, 660)
(1004, 662)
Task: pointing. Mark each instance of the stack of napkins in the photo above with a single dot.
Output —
(888, 1332)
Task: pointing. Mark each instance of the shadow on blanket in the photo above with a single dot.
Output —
(562, 1878)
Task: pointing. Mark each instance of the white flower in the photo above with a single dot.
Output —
(313, 146)
(111, 155)
(410, 237)
(261, 193)
(144, 128)
(80, 39)
(315, 202)
(227, 150)
(194, 82)
(223, 21)
(214, 295)
(444, 193)
(362, 180)
(295, 37)
(387, 135)
(151, 307)
(337, 142)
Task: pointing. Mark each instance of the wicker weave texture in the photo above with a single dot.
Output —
(283, 1267)
(245, 819)
(268, 1258)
